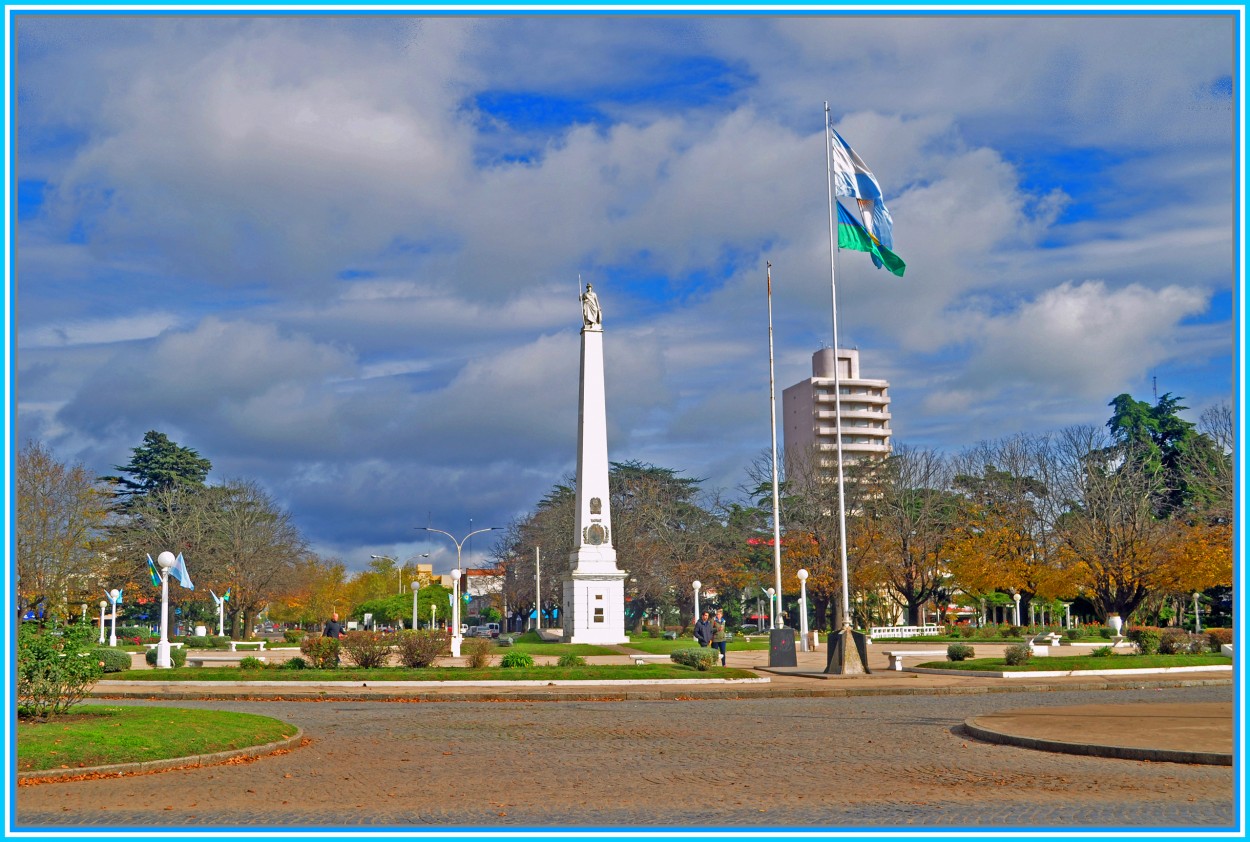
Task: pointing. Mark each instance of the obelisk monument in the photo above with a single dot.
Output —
(594, 593)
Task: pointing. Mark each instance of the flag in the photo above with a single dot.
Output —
(180, 570)
(153, 572)
(226, 597)
(216, 599)
(853, 179)
(853, 235)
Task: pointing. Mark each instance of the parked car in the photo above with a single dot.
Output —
(492, 629)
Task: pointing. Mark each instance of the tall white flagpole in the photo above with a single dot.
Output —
(772, 415)
(837, 387)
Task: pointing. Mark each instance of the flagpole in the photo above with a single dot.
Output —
(772, 398)
(837, 388)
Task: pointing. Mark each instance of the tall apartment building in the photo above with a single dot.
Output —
(810, 421)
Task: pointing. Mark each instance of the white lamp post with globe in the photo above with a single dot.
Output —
(697, 584)
(455, 575)
(114, 596)
(103, 604)
(802, 574)
(164, 561)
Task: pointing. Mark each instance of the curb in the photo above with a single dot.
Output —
(150, 766)
(602, 693)
(1153, 755)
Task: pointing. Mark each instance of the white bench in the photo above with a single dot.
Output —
(1041, 644)
(649, 659)
(896, 657)
(201, 660)
(177, 645)
(235, 644)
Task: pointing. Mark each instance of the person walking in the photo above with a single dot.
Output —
(703, 630)
(719, 638)
(333, 627)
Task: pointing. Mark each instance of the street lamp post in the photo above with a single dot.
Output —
(1197, 618)
(1016, 597)
(416, 589)
(114, 595)
(103, 603)
(84, 612)
(772, 609)
(802, 574)
(164, 561)
(455, 603)
(697, 584)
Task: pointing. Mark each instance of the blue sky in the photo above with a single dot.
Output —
(339, 254)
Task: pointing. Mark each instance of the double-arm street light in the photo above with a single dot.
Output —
(455, 582)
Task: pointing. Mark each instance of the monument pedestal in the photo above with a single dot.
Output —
(593, 608)
(848, 653)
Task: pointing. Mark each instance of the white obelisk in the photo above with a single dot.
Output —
(594, 594)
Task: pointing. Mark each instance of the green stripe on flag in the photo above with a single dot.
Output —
(857, 238)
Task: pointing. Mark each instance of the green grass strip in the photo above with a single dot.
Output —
(98, 735)
(1061, 663)
(660, 646)
(544, 673)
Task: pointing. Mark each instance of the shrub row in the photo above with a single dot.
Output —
(700, 659)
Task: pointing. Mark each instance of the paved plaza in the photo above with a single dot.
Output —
(821, 762)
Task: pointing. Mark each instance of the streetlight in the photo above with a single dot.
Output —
(1016, 597)
(164, 561)
(400, 570)
(697, 584)
(103, 603)
(455, 574)
(114, 596)
(802, 574)
(416, 589)
(1197, 619)
(772, 610)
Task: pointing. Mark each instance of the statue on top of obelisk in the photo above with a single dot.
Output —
(592, 313)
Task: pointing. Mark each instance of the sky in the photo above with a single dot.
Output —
(339, 254)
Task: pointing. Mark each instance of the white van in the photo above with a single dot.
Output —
(493, 628)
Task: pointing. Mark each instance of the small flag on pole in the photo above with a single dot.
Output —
(226, 597)
(180, 570)
(153, 572)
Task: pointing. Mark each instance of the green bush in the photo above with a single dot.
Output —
(1146, 639)
(959, 652)
(1218, 637)
(516, 659)
(210, 641)
(112, 660)
(1013, 631)
(967, 631)
(1017, 655)
(296, 663)
(421, 648)
(129, 632)
(568, 659)
(367, 648)
(177, 657)
(987, 632)
(55, 668)
(322, 652)
(1106, 632)
(476, 652)
(1074, 633)
(293, 635)
(251, 663)
(700, 659)
(1102, 652)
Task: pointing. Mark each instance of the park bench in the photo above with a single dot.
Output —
(649, 659)
(259, 644)
(201, 660)
(175, 645)
(1040, 645)
(896, 656)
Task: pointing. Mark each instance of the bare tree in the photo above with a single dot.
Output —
(61, 513)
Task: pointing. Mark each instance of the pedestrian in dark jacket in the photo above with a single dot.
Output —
(333, 627)
(703, 630)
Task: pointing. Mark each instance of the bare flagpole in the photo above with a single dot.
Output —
(772, 415)
(837, 387)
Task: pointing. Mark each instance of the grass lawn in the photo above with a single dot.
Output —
(660, 646)
(97, 735)
(537, 673)
(1082, 662)
(531, 644)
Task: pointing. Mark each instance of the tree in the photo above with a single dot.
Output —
(906, 526)
(61, 513)
(157, 464)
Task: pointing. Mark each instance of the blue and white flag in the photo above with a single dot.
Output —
(216, 599)
(853, 179)
(180, 570)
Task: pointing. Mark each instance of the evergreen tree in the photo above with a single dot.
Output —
(157, 464)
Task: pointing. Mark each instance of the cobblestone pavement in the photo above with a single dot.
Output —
(890, 761)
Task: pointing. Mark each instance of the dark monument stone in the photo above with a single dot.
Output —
(848, 653)
(781, 648)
